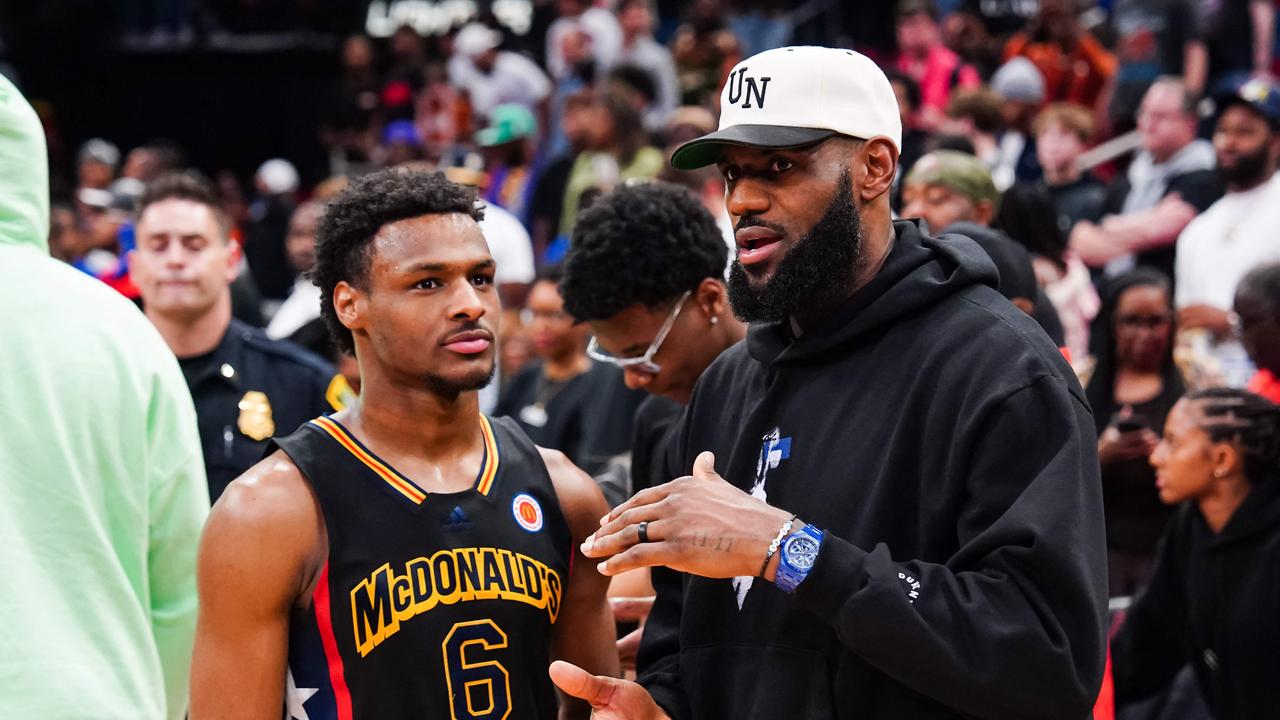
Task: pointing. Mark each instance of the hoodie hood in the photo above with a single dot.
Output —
(1259, 513)
(24, 173)
(919, 271)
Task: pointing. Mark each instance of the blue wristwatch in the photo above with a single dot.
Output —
(799, 552)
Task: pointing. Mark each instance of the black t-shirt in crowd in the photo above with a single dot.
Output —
(1151, 37)
(1135, 516)
(1227, 31)
(650, 441)
(1199, 188)
(587, 417)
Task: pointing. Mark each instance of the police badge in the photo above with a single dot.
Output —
(255, 416)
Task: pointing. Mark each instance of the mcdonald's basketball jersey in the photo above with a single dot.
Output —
(431, 605)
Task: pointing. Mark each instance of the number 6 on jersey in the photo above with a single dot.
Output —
(471, 679)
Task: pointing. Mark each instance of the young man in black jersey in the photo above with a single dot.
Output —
(407, 557)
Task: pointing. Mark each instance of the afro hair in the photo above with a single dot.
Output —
(645, 243)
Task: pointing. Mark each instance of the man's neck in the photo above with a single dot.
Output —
(413, 420)
(188, 337)
(1247, 186)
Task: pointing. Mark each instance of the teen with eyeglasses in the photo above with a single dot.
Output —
(646, 273)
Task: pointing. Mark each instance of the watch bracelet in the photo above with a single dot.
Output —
(784, 531)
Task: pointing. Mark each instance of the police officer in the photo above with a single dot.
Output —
(246, 387)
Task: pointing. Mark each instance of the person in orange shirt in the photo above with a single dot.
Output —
(1076, 67)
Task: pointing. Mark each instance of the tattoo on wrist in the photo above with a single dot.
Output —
(720, 544)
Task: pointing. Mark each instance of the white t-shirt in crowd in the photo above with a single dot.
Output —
(510, 245)
(514, 79)
(1236, 234)
(606, 40)
(301, 307)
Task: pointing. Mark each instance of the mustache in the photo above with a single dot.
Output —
(749, 221)
(469, 326)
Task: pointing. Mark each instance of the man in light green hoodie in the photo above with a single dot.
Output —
(102, 489)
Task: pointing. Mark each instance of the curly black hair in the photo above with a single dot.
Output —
(355, 215)
(645, 243)
(1248, 420)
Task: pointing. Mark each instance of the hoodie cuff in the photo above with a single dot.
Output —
(670, 699)
(838, 573)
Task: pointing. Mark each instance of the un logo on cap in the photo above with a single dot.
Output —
(753, 88)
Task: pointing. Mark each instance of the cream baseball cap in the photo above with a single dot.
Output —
(797, 96)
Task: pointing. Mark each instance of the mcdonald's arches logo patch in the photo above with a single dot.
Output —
(527, 511)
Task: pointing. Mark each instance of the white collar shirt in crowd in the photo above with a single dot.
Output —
(301, 307)
(1236, 234)
(514, 79)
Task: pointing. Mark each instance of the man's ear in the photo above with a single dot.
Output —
(348, 305)
(234, 253)
(983, 212)
(877, 162)
(711, 297)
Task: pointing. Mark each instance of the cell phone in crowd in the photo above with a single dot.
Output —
(1132, 423)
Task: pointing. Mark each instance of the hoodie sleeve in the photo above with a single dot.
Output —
(179, 502)
(1013, 625)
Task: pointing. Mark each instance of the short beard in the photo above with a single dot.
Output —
(451, 388)
(1249, 169)
(815, 273)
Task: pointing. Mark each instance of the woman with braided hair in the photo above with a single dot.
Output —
(1212, 601)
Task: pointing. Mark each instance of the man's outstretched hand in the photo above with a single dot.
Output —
(698, 524)
(610, 698)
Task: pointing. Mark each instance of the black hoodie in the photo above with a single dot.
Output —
(946, 448)
(1213, 601)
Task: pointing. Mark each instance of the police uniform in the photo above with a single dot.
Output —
(249, 388)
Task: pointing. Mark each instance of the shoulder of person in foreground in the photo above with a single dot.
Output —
(261, 550)
(584, 632)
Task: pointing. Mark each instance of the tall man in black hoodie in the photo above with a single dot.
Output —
(905, 520)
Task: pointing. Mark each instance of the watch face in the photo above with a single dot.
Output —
(801, 552)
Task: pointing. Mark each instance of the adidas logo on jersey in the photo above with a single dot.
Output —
(458, 521)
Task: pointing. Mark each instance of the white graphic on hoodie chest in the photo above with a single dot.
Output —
(773, 450)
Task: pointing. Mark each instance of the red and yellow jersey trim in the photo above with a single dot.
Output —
(489, 465)
(391, 477)
(401, 484)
